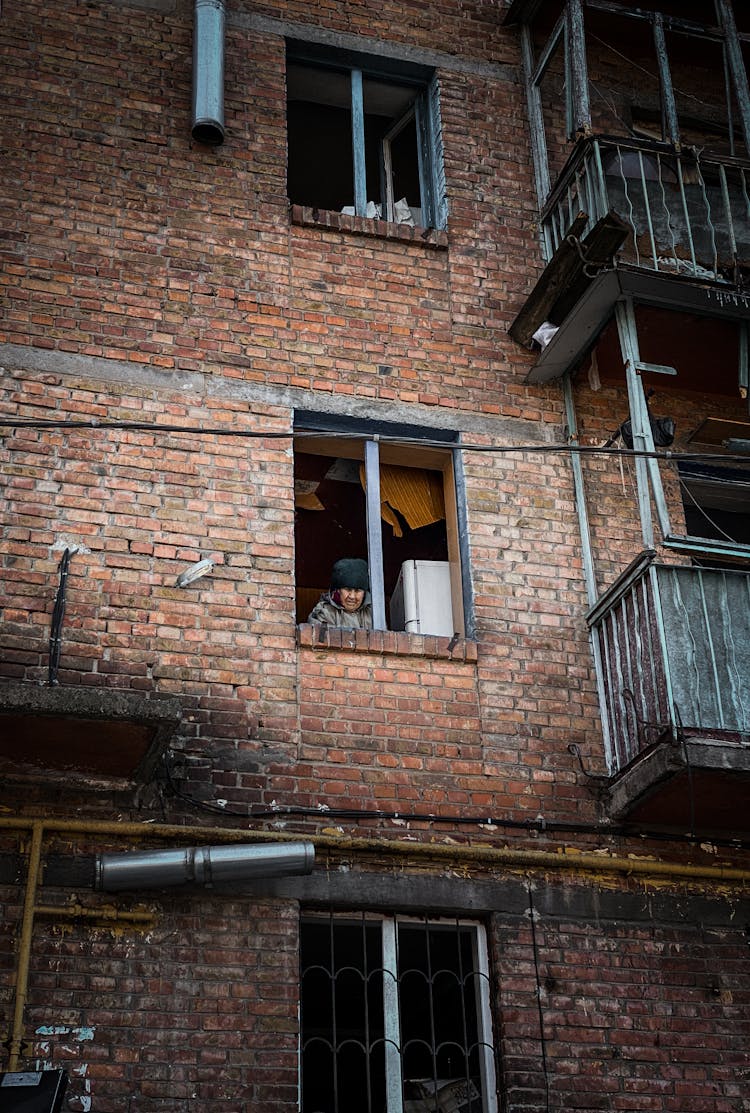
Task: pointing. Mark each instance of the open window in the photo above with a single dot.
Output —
(364, 136)
(395, 1016)
(687, 373)
(390, 494)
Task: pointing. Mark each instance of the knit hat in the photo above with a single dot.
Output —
(351, 573)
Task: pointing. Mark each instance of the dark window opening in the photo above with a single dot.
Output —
(364, 143)
(716, 502)
(395, 1014)
(331, 522)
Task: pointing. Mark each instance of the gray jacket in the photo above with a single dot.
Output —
(327, 612)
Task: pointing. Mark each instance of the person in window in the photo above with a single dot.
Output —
(347, 602)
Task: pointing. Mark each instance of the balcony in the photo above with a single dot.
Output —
(674, 645)
(688, 214)
(95, 738)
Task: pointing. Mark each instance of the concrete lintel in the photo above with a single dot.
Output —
(98, 373)
(437, 59)
(506, 899)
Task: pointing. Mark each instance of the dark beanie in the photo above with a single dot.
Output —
(351, 573)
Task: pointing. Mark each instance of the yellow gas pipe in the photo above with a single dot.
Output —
(518, 859)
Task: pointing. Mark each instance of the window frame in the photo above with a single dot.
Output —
(408, 446)
(425, 106)
(391, 1001)
(647, 467)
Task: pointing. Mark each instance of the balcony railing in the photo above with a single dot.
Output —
(674, 643)
(689, 213)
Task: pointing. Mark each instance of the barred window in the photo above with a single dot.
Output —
(395, 1016)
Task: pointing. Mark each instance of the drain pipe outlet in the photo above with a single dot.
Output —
(208, 72)
(201, 865)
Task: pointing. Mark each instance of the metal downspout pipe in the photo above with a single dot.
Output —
(208, 72)
(587, 557)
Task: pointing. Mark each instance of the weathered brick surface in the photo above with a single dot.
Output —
(148, 279)
(630, 1017)
(199, 1012)
(151, 251)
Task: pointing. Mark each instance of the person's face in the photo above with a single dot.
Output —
(351, 598)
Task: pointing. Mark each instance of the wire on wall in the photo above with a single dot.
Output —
(58, 613)
(261, 434)
(540, 1009)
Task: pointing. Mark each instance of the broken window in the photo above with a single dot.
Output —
(364, 137)
(716, 501)
(387, 494)
(671, 71)
(395, 1016)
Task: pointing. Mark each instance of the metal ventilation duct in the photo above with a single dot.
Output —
(202, 865)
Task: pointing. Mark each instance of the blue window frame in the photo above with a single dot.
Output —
(364, 136)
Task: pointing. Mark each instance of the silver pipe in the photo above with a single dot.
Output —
(208, 72)
(201, 865)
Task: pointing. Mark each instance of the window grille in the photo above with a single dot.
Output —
(395, 1016)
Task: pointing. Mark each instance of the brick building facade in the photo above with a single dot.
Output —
(530, 886)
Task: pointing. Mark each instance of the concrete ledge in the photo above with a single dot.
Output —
(89, 735)
(703, 780)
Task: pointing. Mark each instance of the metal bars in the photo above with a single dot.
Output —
(688, 216)
(395, 1010)
(578, 109)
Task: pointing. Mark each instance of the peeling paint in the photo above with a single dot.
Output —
(81, 1034)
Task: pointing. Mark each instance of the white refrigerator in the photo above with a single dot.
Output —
(421, 600)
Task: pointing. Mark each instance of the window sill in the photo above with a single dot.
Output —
(389, 643)
(307, 217)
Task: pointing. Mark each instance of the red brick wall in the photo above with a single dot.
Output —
(635, 1017)
(138, 245)
(142, 506)
(200, 1008)
(127, 248)
(199, 1011)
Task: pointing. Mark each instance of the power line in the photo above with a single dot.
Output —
(420, 442)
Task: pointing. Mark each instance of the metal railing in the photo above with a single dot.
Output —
(689, 213)
(675, 651)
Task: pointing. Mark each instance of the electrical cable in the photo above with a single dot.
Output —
(325, 434)
(58, 613)
(538, 825)
(542, 1037)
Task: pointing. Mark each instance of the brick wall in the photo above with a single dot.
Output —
(637, 1012)
(147, 279)
(634, 1017)
(197, 1012)
(141, 246)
